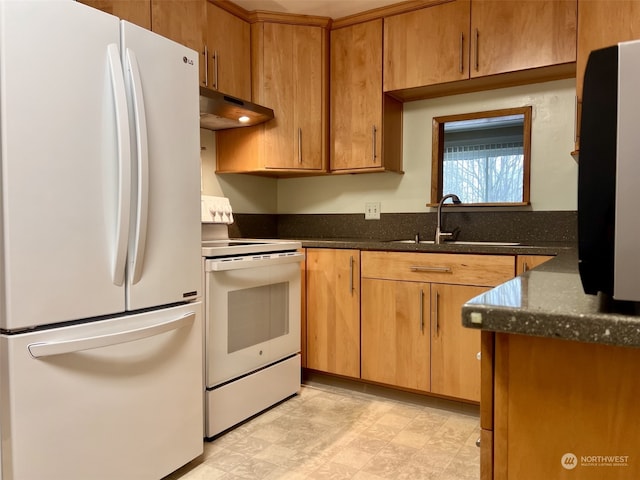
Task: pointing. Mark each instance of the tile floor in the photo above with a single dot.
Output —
(327, 432)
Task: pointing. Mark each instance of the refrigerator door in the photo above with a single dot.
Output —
(164, 248)
(113, 399)
(60, 104)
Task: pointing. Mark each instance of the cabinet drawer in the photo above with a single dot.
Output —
(485, 270)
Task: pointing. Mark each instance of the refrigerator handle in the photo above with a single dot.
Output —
(48, 349)
(124, 164)
(142, 163)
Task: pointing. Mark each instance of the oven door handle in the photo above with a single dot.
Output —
(251, 261)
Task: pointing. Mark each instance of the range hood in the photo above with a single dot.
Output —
(219, 111)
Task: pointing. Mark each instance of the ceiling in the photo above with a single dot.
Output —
(323, 8)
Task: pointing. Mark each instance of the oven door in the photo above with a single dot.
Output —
(252, 313)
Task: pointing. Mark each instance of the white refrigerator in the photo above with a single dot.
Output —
(100, 314)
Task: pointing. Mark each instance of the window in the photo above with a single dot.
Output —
(483, 157)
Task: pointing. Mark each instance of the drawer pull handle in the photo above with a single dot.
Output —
(417, 268)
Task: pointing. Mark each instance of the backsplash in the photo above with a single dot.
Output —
(523, 227)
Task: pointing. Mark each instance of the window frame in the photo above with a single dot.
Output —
(437, 153)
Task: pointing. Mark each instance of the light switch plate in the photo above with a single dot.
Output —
(372, 211)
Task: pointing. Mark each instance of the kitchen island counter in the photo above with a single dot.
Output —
(559, 374)
(549, 302)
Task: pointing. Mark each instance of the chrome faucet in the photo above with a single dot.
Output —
(440, 235)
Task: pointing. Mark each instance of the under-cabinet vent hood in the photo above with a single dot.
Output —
(219, 111)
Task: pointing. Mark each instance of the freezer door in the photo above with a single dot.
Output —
(164, 248)
(114, 399)
(59, 170)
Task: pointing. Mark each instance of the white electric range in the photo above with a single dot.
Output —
(252, 334)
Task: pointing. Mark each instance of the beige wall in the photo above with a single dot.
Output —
(553, 170)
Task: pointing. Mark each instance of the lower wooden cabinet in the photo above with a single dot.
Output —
(562, 410)
(455, 350)
(333, 311)
(412, 335)
(525, 263)
(395, 333)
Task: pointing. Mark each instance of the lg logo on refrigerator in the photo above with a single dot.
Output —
(187, 60)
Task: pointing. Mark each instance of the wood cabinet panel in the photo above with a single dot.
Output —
(602, 23)
(366, 127)
(525, 263)
(395, 333)
(486, 454)
(356, 95)
(555, 397)
(333, 311)
(289, 75)
(183, 21)
(455, 367)
(427, 46)
(134, 11)
(486, 43)
(542, 32)
(229, 50)
(465, 269)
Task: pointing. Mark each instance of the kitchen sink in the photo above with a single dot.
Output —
(462, 242)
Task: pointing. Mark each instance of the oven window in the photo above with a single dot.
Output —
(257, 314)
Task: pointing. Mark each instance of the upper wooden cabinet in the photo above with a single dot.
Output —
(602, 23)
(184, 21)
(477, 38)
(366, 126)
(427, 47)
(511, 36)
(134, 11)
(289, 75)
(228, 49)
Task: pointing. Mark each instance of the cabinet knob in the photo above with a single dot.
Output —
(479, 355)
(478, 442)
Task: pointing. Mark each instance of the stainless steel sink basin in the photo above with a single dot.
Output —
(462, 242)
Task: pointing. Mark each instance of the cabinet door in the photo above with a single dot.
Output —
(134, 11)
(356, 96)
(309, 73)
(427, 46)
(333, 311)
(292, 85)
(183, 22)
(511, 36)
(527, 262)
(455, 367)
(228, 47)
(278, 92)
(395, 333)
(602, 23)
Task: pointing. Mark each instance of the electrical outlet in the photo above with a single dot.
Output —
(372, 211)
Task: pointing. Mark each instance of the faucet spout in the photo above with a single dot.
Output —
(440, 235)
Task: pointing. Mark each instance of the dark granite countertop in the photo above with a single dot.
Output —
(551, 248)
(549, 301)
